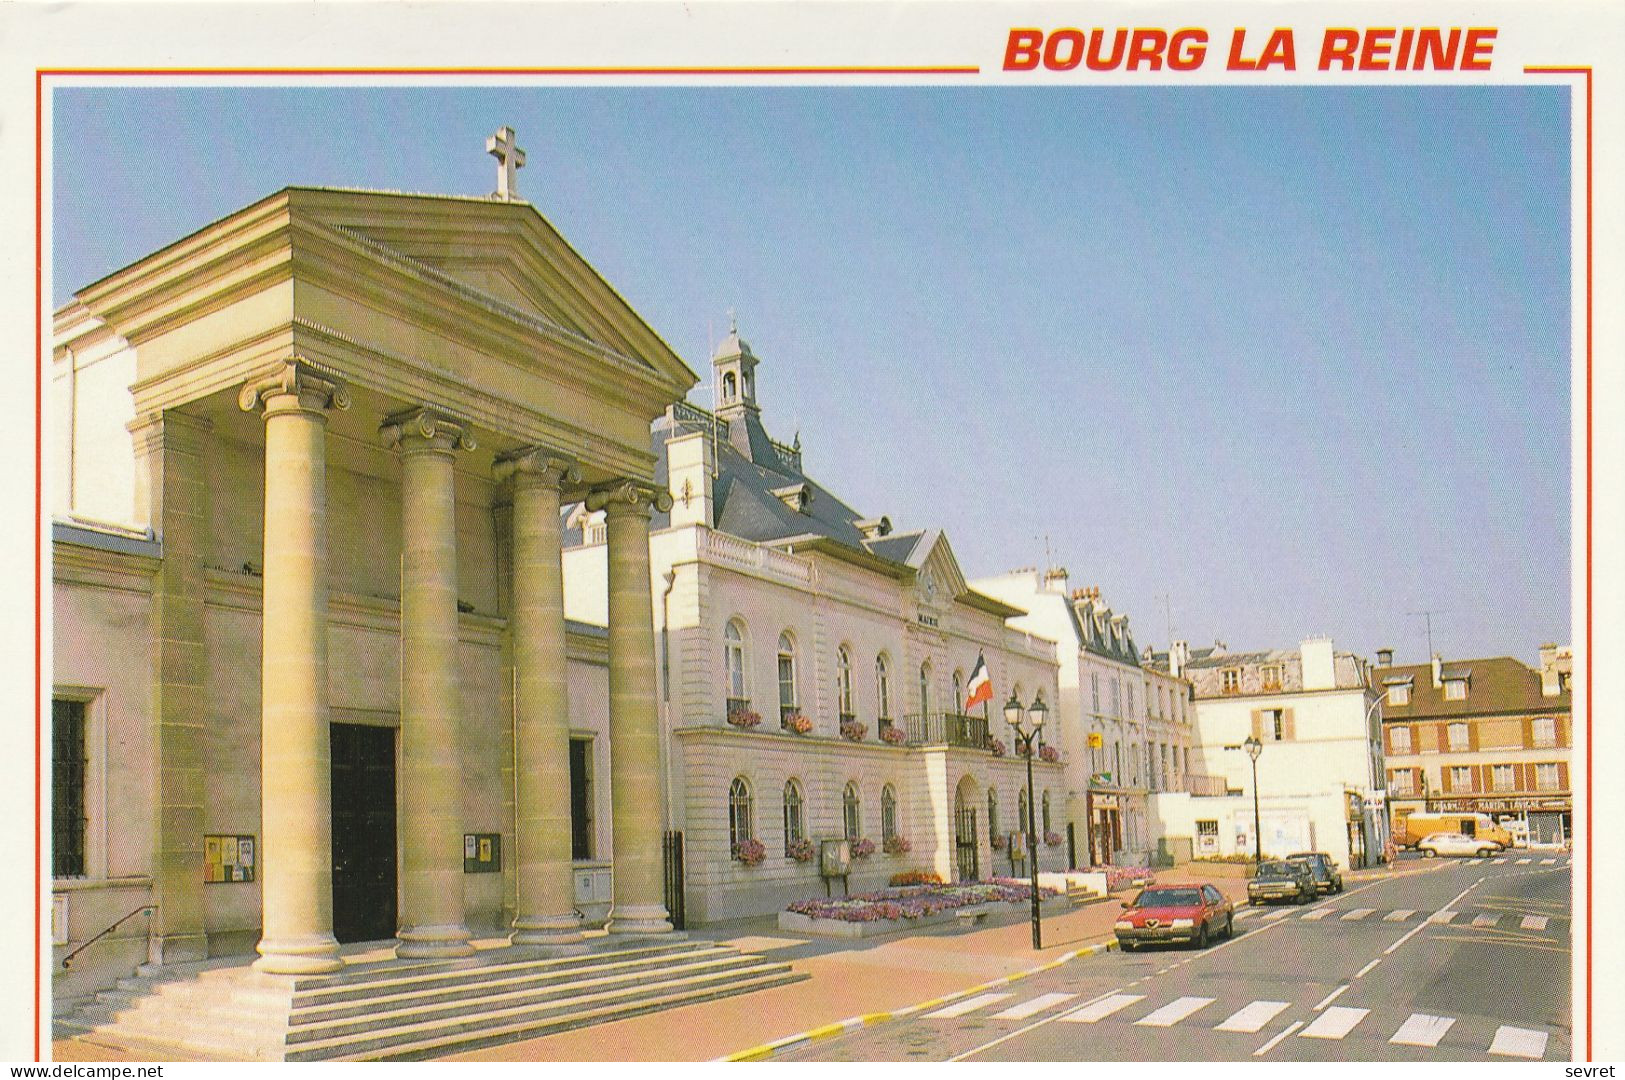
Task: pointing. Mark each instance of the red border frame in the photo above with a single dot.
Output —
(41, 74)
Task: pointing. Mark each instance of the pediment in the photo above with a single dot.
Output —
(506, 256)
(943, 568)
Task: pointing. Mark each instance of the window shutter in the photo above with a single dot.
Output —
(1562, 776)
(1258, 724)
(1444, 780)
(1289, 730)
(1472, 735)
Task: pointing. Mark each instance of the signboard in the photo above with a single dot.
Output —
(835, 858)
(1100, 779)
(1096, 740)
(228, 859)
(1104, 802)
(482, 853)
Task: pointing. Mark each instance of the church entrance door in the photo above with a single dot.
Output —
(363, 832)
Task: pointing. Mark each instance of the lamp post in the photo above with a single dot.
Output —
(1035, 716)
(1254, 748)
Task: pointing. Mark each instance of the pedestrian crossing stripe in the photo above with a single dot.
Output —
(1442, 917)
(1253, 1016)
(1318, 913)
(1399, 916)
(1277, 915)
(1422, 1030)
(1334, 1023)
(1548, 862)
(1500, 862)
(1036, 1005)
(1357, 914)
(1533, 922)
(971, 1004)
(1525, 862)
(1098, 1010)
(1247, 913)
(1486, 920)
(1173, 1012)
(1518, 1042)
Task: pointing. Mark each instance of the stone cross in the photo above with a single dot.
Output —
(510, 159)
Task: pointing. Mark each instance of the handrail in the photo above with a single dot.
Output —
(67, 961)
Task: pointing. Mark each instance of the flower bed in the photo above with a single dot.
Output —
(894, 909)
(1121, 877)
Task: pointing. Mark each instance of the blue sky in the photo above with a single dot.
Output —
(1296, 359)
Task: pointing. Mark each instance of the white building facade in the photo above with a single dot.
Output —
(813, 665)
(1317, 717)
(1125, 728)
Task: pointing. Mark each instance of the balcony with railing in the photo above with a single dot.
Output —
(1210, 786)
(951, 729)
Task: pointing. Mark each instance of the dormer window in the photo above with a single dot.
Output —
(1455, 689)
(1230, 681)
(1399, 695)
(1270, 675)
(796, 496)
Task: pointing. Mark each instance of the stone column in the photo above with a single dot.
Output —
(634, 733)
(171, 449)
(431, 759)
(296, 848)
(544, 875)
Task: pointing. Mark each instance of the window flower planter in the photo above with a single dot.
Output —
(898, 845)
(801, 851)
(854, 731)
(894, 736)
(799, 723)
(1048, 753)
(863, 848)
(744, 718)
(751, 852)
(997, 841)
(997, 746)
(1053, 839)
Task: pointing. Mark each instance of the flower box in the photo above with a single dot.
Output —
(894, 736)
(800, 723)
(863, 848)
(1053, 839)
(997, 746)
(751, 852)
(744, 718)
(1048, 753)
(854, 731)
(898, 845)
(801, 851)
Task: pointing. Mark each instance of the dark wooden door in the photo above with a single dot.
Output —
(363, 832)
(965, 844)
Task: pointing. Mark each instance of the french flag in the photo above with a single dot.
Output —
(980, 687)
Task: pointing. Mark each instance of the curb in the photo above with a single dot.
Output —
(841, 1027)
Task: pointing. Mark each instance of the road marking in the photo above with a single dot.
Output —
(1399, 916)
(1518, 1042)
(1334, 1023)
(1486, 920)
(1318, 913)
(1173, 1012)
(1251, 1017)
(1267, 1047)
(1099, 1010)
(1525, 862)
(1358, 913)
(1422, 1030)
(1036, 1005)
(960, 1008)
(1533, 922)
(1329, 998)
(1368, 967)
(1498, 862)
(1277, 915)
(1247, 913)
(1442, 917)
(1548, 862)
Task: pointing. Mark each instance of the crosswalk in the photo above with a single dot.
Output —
(1328, 1022)
(1565, 861)
(1505, 920)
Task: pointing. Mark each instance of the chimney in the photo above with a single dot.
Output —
(1555, 662)
(1055, 580)
(1319, 668)
(1179, 654)
(1385, 658)
(1438, 671)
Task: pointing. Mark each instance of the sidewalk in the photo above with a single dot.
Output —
(848, 978)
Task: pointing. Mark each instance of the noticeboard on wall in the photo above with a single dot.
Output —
(482, 853)
(228, 859)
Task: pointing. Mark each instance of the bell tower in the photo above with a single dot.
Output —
(734, 370)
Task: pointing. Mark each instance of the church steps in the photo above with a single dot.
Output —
(386, 1027)
(343, 987)
(472, 1038)
(540, 985)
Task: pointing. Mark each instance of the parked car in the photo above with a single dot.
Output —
(1174, 913)
(1455, 843)
(1282, 879)
(1327, 877)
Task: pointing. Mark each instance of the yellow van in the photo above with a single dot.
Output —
(1412, 829)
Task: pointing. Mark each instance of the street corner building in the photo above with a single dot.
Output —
(1489, 736)
(814, 666)
(407, 619)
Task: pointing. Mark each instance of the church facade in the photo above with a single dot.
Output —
(813, 669)
(311, 675)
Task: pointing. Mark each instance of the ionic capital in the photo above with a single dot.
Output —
(536, 465)
(628, 497)
(315, 388)
(425, 428)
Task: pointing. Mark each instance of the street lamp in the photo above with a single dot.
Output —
(1254, 748)
(1035, 716)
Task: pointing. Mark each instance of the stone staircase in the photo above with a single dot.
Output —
(387, 1009)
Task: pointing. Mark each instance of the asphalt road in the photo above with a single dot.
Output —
(1466, 961)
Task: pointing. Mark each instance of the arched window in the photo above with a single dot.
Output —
(1045, 810)
(1021, 811)
(843, 682)
(851, 812)
(888, 813)
(733, 665)
(730, 386)
(795, 818)
(883, 686)
(925, 689)
(787, 676)
(992, 812)
(740, 827)
(959, 692)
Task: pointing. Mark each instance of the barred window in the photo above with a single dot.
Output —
(843, 681)
(67, 788)
(740, 826)
(795, 821)
(888, 813)
(992, 812)
(851, 814)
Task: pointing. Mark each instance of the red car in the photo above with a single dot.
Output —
(1169, 913)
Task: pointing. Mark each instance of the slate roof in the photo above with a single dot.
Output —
(1098, 640)
(1498, 685)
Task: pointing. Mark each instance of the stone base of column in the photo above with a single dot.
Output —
(549, 930)
(178, 949)
(433, 943)
(639, 919)
(312, 955)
